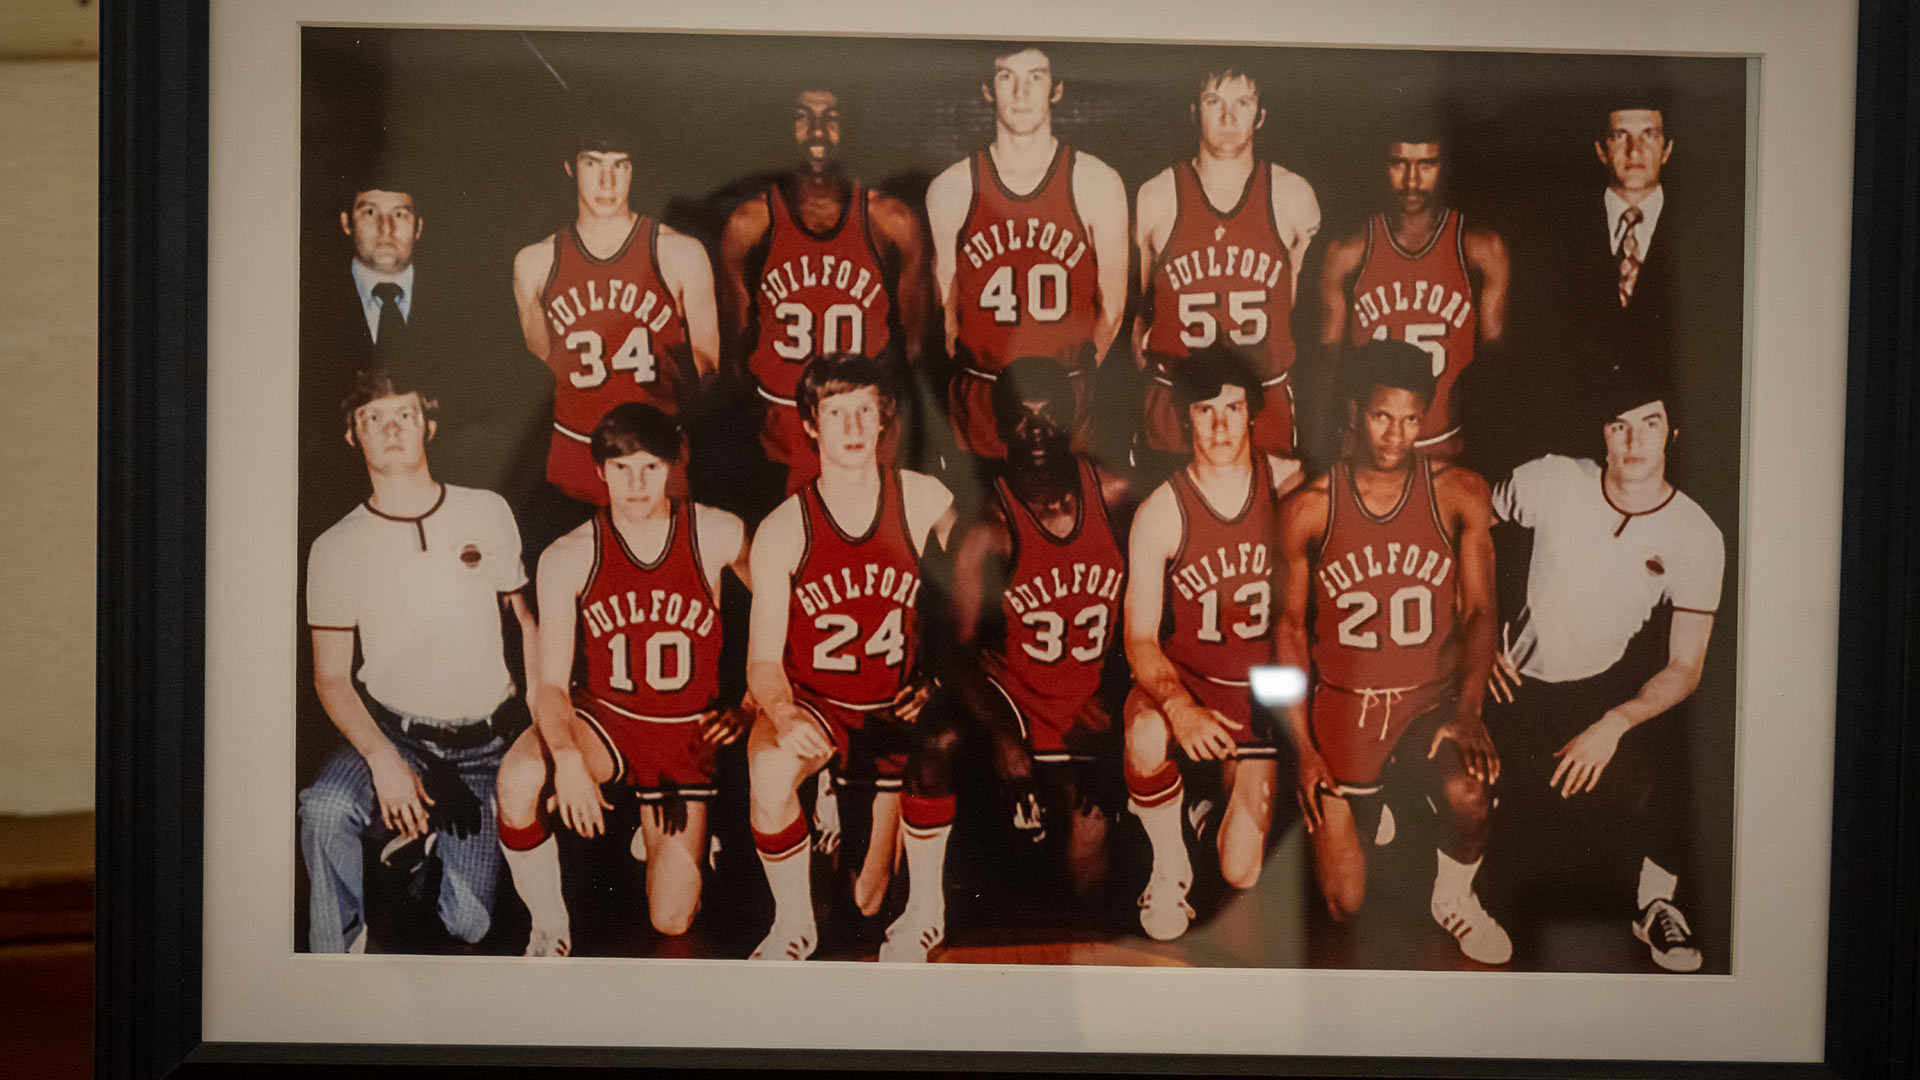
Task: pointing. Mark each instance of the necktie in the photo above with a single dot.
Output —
(393, 325)
(1629, 252)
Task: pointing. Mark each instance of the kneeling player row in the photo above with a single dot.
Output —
(1384, 574)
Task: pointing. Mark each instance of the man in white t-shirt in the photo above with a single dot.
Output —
(418, 576)
(1612, 546)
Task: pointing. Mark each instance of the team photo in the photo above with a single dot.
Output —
(915, 500)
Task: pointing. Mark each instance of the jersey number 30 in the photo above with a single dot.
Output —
(888, 642)
(634, 355)
(841, 330)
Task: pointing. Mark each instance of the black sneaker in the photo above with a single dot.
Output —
(1662, 926)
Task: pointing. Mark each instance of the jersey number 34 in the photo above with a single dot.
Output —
(633, 355)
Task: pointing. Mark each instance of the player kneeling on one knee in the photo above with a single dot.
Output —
(636, 592)
(1388, 591)
(832, 654)
(1201, 545)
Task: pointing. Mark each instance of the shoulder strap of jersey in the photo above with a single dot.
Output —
(1336, 482)
(1432, 496)
(693, 549)
(1093, 496)
(1459, 224)
(602, 521)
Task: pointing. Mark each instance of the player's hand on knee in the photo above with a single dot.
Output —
(403, 798)
(1586, 755)
(1477, 755)
(1314, 783)
(1202, 733)
(718, 727)
(796, 733)
(582, 806)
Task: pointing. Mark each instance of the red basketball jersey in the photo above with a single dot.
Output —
(1423, 297)
(852, 633)
(1223, 276)
(1385, 588)
(819, 293)
(615, 335)
(1221, 580)
(1062, 602)
(650, 630)
(1025, 279)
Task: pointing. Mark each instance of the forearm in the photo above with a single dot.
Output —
(1481, 638)
(552, 716)
(1669, 687)
(1156, 675)
(349, 714)
(767, 682)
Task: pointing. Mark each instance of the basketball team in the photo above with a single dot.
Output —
(1283, 588)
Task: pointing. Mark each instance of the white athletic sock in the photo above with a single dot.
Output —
(1162, 823)
(1656, 883)
(1453, 879)
(536, 877)
(791, 879)
(927, 871)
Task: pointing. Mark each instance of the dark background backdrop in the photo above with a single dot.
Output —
(477, 123)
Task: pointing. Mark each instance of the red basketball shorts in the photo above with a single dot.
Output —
(1057, 729)
(870, 745)
(1356, 731)
(652, 755)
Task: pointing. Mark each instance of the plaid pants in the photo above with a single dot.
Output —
(340, 811)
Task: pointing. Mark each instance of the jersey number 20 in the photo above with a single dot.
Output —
(1409, 617)
(634, 355)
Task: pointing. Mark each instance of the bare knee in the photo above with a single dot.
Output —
(1468, 799)
(1147, 739)
(673, 915)
(523, 776)
(1344, 898)
(1240, 870)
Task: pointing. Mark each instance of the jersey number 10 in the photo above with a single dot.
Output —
(669, 662)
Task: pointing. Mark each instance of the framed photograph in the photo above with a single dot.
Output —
(1000, 540)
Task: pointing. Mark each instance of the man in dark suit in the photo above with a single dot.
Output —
(360, 312)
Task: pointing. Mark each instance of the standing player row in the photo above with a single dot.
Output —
(1024, 248)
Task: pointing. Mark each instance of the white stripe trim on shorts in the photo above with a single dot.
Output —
(571, 434)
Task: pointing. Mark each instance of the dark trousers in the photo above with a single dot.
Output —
(1583, 852)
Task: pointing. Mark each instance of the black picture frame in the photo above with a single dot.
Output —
(151, 611)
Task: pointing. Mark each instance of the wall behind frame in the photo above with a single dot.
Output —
(49, 164)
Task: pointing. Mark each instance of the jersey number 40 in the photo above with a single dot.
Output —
(1045, 294)
(633, 355)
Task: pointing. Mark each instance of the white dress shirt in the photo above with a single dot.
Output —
(1616, 206)
(364, 279)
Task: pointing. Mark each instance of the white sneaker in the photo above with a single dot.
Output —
(1481, 939)
(1164, 911)
(911, 937)
(545, 942)
(785, 943)
(1664, 929)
